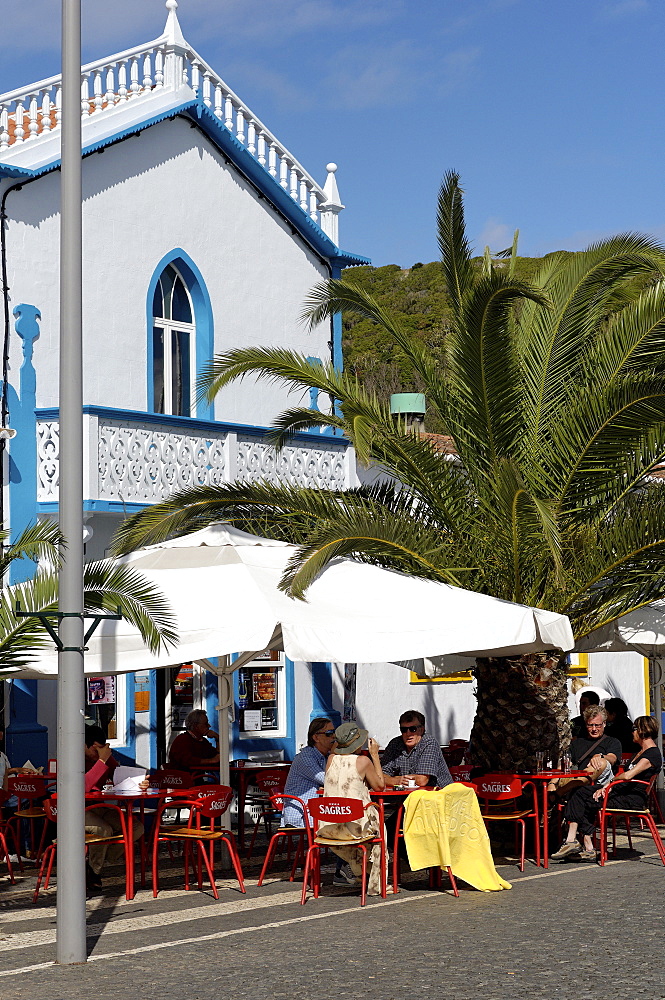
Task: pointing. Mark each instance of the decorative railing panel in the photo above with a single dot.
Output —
(145, 465)
(129, 461)
(321, 466)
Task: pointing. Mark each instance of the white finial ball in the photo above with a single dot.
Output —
(331, 167)
(171, 4)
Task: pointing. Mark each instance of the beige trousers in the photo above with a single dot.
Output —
(106, 823)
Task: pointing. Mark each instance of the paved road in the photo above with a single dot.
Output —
(579, 932)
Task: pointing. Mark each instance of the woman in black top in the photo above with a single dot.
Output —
(585, 802)
(645, 764)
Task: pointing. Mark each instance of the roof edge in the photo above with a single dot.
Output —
(242, 159)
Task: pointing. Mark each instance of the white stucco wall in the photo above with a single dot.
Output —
(143, 197)
(384, 691)
(623, 675)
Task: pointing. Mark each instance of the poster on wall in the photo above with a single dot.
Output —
(264, 687)
(101, 690)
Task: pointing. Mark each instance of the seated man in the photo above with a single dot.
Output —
(306, 776)
(414, 756)
(99, 768)
(192, 747)
(591, 753)
(577, 727)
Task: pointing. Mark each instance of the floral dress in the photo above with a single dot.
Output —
(343, 780)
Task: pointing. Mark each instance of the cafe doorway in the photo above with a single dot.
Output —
(180, 689)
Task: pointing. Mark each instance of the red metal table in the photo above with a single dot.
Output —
(544, 777)
(396, 796)
(241, 779)
(126, 800)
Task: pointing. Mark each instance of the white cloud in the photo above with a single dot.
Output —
(624, 8)
(495, 234)
(368, 76)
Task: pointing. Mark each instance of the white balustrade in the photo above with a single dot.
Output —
(320, 465)
(131, 462)
(167, 62)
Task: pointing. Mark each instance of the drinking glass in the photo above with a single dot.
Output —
(540, 759)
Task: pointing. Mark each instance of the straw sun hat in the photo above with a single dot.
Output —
(350, 737)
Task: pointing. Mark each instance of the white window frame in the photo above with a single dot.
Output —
(121, 720)
(170, 326)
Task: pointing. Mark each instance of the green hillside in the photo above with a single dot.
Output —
(416, 297)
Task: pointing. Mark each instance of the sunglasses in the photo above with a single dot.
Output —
(409, 729)
(327, 732)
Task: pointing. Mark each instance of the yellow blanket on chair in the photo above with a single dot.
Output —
(445, 829)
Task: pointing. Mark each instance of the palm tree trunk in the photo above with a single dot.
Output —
(522, 708)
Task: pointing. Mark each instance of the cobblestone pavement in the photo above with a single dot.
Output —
(578, 931)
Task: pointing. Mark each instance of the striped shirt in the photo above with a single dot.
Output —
(424, 758)
(306, 775)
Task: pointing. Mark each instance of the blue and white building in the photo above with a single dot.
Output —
(202, 232)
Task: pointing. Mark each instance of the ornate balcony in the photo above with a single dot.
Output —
(137, 459)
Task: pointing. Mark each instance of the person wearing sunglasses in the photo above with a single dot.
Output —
(306, 776)
(414, 756)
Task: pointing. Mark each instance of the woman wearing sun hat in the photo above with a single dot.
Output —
(350, 776)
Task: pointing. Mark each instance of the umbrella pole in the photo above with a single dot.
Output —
(224, 702)
(656, 674)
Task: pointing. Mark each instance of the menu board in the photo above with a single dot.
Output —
(258, 698)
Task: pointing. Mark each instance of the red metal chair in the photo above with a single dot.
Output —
(507, 789)
(48, 857)
(171, 779)
(208, 802)
(269, 783)
(5, 831)
(331, 809)
(460, 772)
(627, 814)
(303, 833)
(30, 793)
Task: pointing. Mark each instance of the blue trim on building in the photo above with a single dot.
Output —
(338, 359)
(179, 423)
(241, 158)
(203, 321)
(322, 694)
(26, 738)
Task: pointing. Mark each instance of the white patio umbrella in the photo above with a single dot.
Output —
(223, 586)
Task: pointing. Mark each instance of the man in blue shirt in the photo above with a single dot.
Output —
(306, 775)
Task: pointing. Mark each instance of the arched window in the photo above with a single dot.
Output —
(173, 344)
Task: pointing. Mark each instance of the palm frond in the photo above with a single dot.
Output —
(107, 588)
(484, 405)
(453, 244)
(38, 541)
(582, 288)
(381, 539)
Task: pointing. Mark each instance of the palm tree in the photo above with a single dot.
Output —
(553, 395)
(107, 587)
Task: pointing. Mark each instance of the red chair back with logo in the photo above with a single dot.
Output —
(331, 809)
(26, 787)
(461, 772)
(497, 787)
(271, 782)
(171, 778)
(215, 800)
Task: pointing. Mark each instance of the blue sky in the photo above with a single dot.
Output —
(550, 110)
